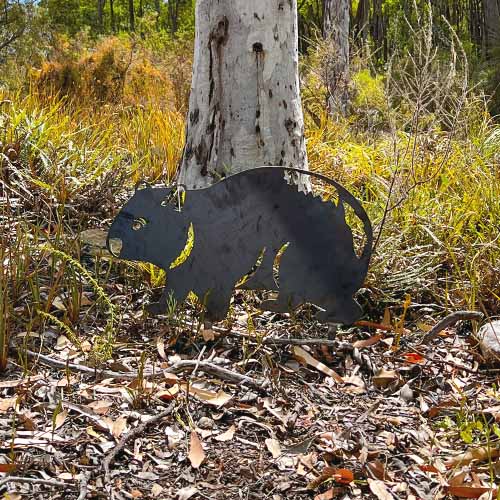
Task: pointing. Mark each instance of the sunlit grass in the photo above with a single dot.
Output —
(440, 242)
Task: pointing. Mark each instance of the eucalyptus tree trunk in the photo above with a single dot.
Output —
(336, 32)
(112, 15)
(491, 25)
(245, 109)
(361, 20)
(131, 15)
(100, 14)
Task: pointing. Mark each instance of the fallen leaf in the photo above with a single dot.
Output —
(66, 476)
(156, 490)
(171, 378)
(10, 384)
(60, 306)
(429, 468)
(118, 427)
(136, 494)
(354, 385)
(359, 344)
(85, 301)
(101, 407)
(168, 394)
(94, 237)
(186, 493)
(328, 495)
(208, 335)
(12, 496)
(91, 432)
(160, 345)
(148, 476)
(413, 358)
(340, 476)
(479, 454)
(379, 489)
(469, 491)
(226, 436)
(7, 404)
(303, 356)
(424, 326)
(377, 470)
(8, 468)
(274, 447)
(384, 378)
(196, 454)
(60, 419)
(218, 399)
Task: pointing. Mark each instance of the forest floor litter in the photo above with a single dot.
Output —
(265, 406)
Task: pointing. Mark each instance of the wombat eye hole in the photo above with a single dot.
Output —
(139, 224)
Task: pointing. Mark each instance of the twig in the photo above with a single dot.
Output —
(180, 366)
(272, 340)
(284, 341)
(55, 363)
(110, 457)
(450, 320)
(84, 487)
(198, 360)
(218, 371)
(31, 480)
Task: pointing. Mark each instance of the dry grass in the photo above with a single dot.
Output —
(88, 128)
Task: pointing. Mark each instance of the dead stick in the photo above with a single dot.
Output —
(31, 480)
(217, 371)
(84, 487)
(450, 320)
(283, 341)
(178, 367)
(55, 363)
(271, 340)
(110, 457)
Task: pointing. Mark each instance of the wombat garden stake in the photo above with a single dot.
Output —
(242, 223)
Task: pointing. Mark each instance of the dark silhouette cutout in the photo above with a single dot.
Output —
(242, 223)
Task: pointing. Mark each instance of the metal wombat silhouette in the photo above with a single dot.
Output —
(242, 223)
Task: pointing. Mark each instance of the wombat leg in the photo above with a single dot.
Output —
(283, 304)
(345, 313)
(168, 298)
(217, 305)
(263, 277)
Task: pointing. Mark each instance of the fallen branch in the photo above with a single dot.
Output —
(218, 371)
(450, 320)
(84, 487)
(110, 457)
(55, 363)
(284, 341)
(271, 340)
(178, 367)
(31, 480)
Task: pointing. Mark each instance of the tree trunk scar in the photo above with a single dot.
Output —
(218, 38)
(259, 62)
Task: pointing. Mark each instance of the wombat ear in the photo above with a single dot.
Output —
(142, 185)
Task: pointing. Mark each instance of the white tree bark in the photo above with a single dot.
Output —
(245, 109)
(336, 31)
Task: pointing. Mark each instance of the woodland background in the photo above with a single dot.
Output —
(93, 97)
